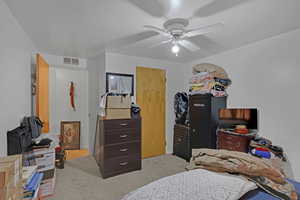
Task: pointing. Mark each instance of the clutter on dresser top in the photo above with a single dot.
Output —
(118, 106)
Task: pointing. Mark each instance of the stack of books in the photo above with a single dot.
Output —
(32, 180)
(44, 159)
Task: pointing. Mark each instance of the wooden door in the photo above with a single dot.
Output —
(42, 91)
(151, 95)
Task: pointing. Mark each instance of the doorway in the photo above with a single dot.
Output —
(151, 97)
(60, 106)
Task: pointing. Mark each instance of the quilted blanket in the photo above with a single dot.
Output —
(194, 185)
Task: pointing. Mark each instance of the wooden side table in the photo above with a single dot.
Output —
(229, 140)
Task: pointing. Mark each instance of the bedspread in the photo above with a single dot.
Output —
(194, 185)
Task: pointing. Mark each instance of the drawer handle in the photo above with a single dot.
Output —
(199, 105)
(124, 124)
(123, 150)
(123, 163)
(179, 140)
(123, 136)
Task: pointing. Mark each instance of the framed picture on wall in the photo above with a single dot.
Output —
(120, 83)
(70, 135)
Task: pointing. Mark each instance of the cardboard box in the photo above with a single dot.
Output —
(16, 193)
(2, 179)
(44, 159)
(15, 162)
(7, 175)
(3, 194)
(118, 102)
(118, 114)
(10, 192)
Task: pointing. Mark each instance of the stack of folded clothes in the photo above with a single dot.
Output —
(209, 78)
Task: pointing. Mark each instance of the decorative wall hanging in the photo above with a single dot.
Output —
(72, 95)
(70, 135)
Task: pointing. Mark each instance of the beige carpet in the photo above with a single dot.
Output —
(81, 180)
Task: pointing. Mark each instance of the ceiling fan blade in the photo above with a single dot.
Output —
(154, 28)
(152, 7)
(189, 45)
(204, 30)
(161, 43)
(130, 40)
(217, 6)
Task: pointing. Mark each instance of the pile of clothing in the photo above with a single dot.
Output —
(266, 177)
(263, 148)
(181, 107)
(209, 79)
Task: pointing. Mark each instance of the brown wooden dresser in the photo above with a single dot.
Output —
(233, 141)
(118, 146)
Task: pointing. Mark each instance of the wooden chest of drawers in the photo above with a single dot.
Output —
(118, 146)
(233, 142)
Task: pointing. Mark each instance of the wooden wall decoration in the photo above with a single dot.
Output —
(72, 95)
(70, 135)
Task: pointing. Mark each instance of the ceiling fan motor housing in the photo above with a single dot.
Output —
(176, 27)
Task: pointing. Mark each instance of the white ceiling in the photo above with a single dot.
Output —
(84, 28)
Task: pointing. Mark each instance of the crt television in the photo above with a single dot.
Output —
(229, 117)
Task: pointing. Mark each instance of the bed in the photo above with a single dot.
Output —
(197, 184)
(204, 184)
(201, 184)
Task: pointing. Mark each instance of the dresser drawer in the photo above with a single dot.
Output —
(233, 142)
(122, 164)
(200, 102)
(125, 149)
(110, 125)
(121, 136)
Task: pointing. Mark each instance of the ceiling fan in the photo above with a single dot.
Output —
(177, 33)
(175, 30)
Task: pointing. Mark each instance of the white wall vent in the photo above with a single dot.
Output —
(71, 61)
(75, 61)
(67, 61)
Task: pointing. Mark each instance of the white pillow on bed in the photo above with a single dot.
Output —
(197, 184)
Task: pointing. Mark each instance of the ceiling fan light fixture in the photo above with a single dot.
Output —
(176, 49)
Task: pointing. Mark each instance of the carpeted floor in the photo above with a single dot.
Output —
(81, 179)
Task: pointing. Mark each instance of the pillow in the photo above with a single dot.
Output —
(197, 184)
